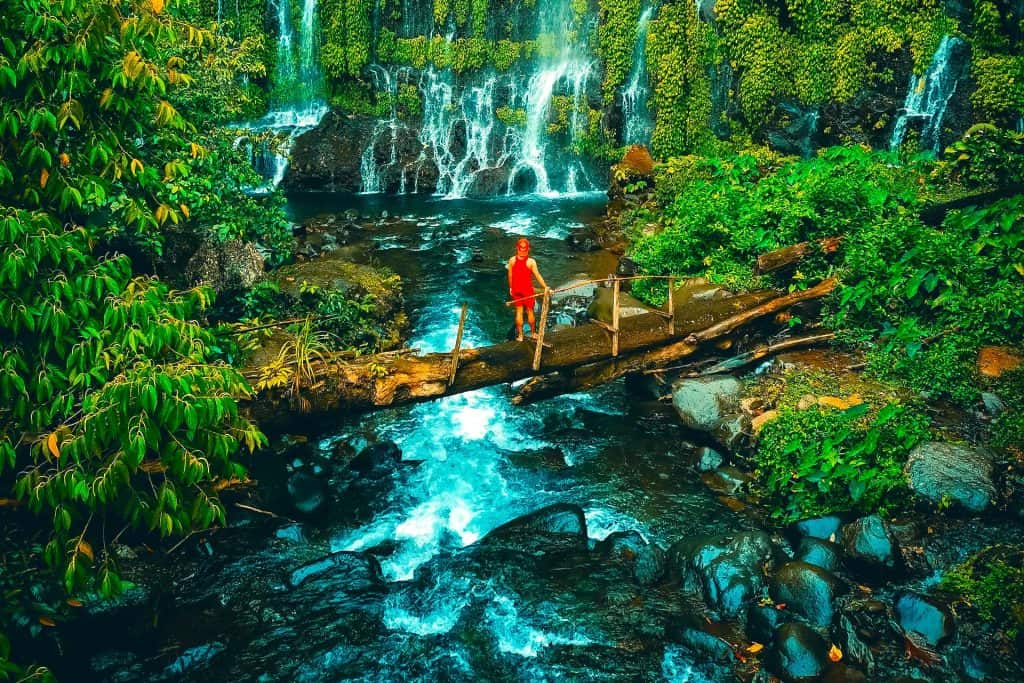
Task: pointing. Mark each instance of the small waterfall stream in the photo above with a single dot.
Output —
(636, 117)
(297, 94)
(929, 95)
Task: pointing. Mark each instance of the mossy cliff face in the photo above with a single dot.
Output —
(796, 74)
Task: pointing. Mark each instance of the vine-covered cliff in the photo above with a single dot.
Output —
(491, 96)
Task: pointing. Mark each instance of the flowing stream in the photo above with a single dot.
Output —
(451, 603)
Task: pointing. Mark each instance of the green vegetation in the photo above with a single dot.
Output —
(992, 582)
(931, 295)
(822, 460)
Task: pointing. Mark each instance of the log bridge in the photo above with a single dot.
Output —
(558, 362)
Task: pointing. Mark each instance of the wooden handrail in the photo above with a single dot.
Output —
(613, 278)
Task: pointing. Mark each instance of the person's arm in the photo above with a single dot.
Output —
(508, 267)
(536, 273)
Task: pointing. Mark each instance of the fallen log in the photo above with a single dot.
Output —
(787, 256)
(374, 381)
(594, 374)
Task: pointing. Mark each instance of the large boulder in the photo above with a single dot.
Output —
(727, 572)
(703, 403)
(925, 617)
(601, 307)
(646, 559)
(798, 653)
(944, 472)
(869, 544)
(807, 590)
(820, 553)
(328, 156)
(224, 267)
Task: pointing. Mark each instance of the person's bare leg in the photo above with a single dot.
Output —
(533, 322)
(519, 323)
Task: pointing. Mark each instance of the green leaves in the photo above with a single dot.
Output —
(818, 461)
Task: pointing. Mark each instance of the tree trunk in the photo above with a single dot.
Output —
(394, 379)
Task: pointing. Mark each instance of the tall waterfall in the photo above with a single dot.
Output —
(297, 102)
(490, 132)
(929, 95)
(636, 117)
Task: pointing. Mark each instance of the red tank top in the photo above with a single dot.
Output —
(522, 278)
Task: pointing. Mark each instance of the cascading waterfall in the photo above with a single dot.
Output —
(298, 105)
(487, 132)
(636, 117)
(929, 95)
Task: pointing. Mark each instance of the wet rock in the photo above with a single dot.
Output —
(293, 532)
(692, 633)
(924, 616)
(820, 553)
(354, 570)
(601, 307)
(943, 472)
(843, 673)
(328, 157)
(560, 518)
(798, 653)
(993, 404)
(704, 402)
(869, 544)
(194, 658)
(820, 527)
(306, 492)
(762, 620)
(728, 572)
(708, 459)
(377, 461)
(854, 649)
(647, 559)
(583, 239)
(726, 480)
(795, 130)
(733, 431)
(807, 590)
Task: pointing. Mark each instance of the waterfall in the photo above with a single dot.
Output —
(487, 131)
(297, 104)
(371, 174)
(929, 95)
(636, 118)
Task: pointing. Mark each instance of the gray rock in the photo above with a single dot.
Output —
(703, 402)
(820, 553)
(993, 404)
(224, 267)
(820, 527)
(727, 572)
(924, 616)
(869, 542)
(798, 653)
(948, 472)
(308, 493)
(647, 559)
(708, 459)
(733, 431)
(807, 590)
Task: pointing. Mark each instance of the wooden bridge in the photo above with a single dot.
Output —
(559, 361)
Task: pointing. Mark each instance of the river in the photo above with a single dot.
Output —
(447, 606)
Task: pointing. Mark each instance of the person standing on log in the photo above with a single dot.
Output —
(521, 271)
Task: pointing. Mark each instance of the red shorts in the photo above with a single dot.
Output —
(527, 299)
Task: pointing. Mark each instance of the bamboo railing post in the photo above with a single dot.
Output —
(540, 329)
(458, 345)
(671, 308)
(615, 317)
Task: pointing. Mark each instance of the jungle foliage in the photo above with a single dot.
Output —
(118, 417)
